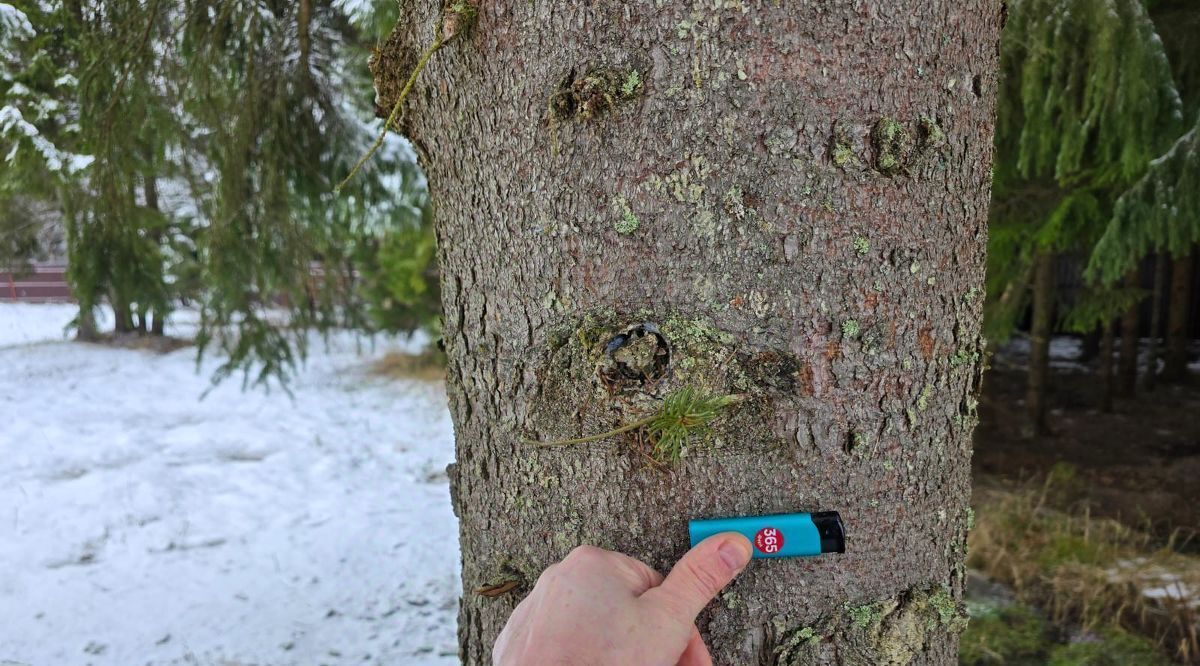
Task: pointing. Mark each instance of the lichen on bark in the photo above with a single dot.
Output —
(890, 632)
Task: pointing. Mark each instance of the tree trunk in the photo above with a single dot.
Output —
(1089, 346)
(1128, 363)
(1039, 341)
(1176, 357)
(304, 37)
(85, 331)
(122, 315)
(1107, 341)
(796, 195)
(1160, 279)
(157, 314)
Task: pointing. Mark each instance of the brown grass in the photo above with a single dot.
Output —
(429, 365)
(1086, 570)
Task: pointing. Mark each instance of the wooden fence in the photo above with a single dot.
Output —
(45, 283)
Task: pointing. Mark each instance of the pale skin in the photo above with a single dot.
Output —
(597, 607)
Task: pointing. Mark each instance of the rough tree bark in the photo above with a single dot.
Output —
(1127, 364)
(1039, 341)
(796, 195)
(1176, 356)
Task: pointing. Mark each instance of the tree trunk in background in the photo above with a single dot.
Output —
(1107, 340)
(1176, 357)
(85, 330)
(150, 190)
(122, 315)
(1040, 330)
(796, 194)
(1160, 279)
(1127, 365)
(1089, 346)
(304, 37)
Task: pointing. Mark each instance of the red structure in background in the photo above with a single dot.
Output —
(45, 283)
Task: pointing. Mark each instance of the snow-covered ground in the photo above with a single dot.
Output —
(141, 524)
(1066, 353)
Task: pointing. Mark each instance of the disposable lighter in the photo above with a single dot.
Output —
(779, 535)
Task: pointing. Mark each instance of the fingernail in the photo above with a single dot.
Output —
(734, 552)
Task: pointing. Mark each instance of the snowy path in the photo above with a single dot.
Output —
(142, 525)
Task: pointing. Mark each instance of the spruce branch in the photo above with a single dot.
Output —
(684, 413)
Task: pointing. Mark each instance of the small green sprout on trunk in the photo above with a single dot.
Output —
(682, 415)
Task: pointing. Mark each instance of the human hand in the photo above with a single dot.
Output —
(600, 607)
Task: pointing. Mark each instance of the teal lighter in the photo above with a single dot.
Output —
(779, 535)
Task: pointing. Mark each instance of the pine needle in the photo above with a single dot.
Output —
(684, 413)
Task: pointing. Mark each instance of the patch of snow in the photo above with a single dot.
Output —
(1173, 590)
(14, 22)
(27, 323)
(12, 121)
(1065, 352)
(140, 524)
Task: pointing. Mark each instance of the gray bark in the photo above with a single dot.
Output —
(796, 194)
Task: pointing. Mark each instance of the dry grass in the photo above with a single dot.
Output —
(429, 365)
(1086, 570)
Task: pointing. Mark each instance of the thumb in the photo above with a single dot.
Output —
(700, 574)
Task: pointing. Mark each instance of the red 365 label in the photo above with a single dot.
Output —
(768, 540)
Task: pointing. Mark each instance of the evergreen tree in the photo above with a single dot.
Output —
(37, 124)
(1086, 101)
(215, 131)
(1161, 212)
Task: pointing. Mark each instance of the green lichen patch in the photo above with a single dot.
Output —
(866, 615)
(892, 143)
(895, 630)
(963, 356)
(923, 398)
(632, 84)
(843, 155)
(841, 147)
(735, 203)
(797, 646)
(890, 631)
(596, 91)
(861, 245)
(686, 183)
(850, 329)
(627, 223)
